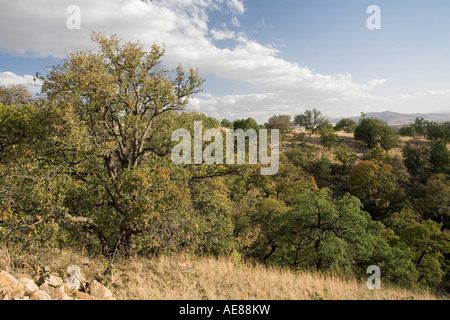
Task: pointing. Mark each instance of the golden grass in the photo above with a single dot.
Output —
(194, 278)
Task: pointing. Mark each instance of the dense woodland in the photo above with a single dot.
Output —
(86, 164)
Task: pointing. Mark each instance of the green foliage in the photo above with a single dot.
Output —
(375, 184)
(345, 156)
(210, 122)
(377, 153)
(416, 157)
(311, 120)
(328, 137)
(433, 199)
(335, 236)
(374, 131)
(322, 171)
(225, 123)
(428, 245)
(440, 156)
(436, 131)
(280, 122)
(420, 126)
(347, 125)
(408, 131)
(245, 124)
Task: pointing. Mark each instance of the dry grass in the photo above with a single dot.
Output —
(193, 278)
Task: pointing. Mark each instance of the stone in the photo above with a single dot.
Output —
(84, 296)
(29, 285)
(10, 286)
(45, 287)
(54, 281)
(63, 296)
(47, 269)
(40, 295)
(96, 289)
(54, 292)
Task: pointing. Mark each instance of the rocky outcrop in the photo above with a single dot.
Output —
(29, 285)
(10, 287)
(51, 287)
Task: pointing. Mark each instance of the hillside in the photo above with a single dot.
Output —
(194, 278)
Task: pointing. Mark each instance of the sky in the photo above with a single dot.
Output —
(259, 57)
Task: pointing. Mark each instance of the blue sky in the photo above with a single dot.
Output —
(260, 57)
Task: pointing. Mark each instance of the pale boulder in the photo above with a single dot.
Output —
(10, 286)
(54, 281)
(40, 295)
(83, 296)
(99, 291)
(29, 285)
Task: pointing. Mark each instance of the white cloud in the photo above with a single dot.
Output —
(224, 34)
(236, 6)
(235, 22)
(9, 78)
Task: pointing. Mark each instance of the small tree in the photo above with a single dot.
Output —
(440, 157)
(408, 131)
(437, 131)
(310, 120)
(347, 125)
(280, 122)
(345, 156)
(225, 123)
(245, 124)
(374, 131)
(420, 126)
(328, 138)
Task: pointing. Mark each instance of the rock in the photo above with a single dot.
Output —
(98, 290)
(40, 295)
(45, 287)
(29, 285)
(54, 292)
(47, 269)
(11, 286)
(64, 296)
(54, 281)
(84, 296)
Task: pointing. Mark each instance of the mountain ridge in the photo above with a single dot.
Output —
(396, 118)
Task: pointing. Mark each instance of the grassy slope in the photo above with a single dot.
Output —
(193, 278)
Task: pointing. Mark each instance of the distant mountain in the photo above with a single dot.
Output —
(394, 118)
